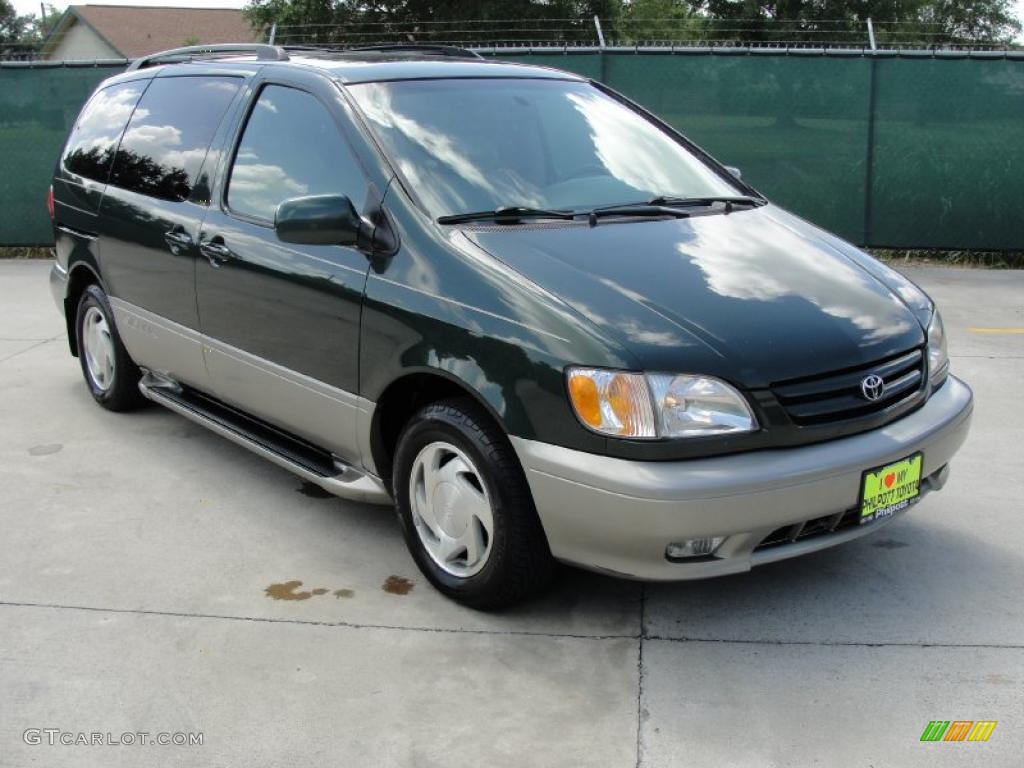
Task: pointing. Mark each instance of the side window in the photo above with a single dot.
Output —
(90, 149)
(290, 148)
(169, 134)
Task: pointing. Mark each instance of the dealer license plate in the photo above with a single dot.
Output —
(889, 489)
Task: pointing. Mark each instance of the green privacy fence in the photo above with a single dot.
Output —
(907, 150)
(38, 104)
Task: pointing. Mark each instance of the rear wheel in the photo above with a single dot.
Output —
(112, 377)
(466, 509)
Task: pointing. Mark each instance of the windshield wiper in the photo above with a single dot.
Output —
(729, 200)
(659, 206)
(636, 209)
(670, 206)
(506, 214)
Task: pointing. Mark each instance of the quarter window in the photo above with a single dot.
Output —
(169, 134)
(90, 150)
(290, 148)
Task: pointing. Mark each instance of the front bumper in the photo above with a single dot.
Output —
(618, 516)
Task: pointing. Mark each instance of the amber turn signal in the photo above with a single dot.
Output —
(612, 402)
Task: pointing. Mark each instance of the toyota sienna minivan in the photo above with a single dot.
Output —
(517, 306)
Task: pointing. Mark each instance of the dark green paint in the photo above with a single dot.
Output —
(442, 304)
(755, 296)
(752, 297)
(318, 220)
(295, 305)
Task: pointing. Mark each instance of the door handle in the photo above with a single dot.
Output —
(215, 251)
(177, 240)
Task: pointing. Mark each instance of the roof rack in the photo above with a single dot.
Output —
(263, 52)
(437, 50)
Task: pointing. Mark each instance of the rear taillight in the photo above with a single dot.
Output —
(49, 201)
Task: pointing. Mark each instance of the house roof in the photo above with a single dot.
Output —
(135, 30)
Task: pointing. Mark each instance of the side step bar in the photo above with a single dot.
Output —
(305, 460)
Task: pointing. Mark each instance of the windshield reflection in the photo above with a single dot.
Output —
(631, 151)
(479, 144)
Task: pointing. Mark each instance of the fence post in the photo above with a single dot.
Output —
(871, 34)
(869, 152)
(273, 33)
(603, 77)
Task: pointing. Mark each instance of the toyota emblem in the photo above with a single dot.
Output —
(872, 387)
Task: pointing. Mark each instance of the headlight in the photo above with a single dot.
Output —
(938, 357)
(657, 405)
(691, 406)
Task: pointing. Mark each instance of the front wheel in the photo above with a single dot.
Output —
(466, 509)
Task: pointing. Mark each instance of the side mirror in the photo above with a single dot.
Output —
(319, 220)
(734, 171)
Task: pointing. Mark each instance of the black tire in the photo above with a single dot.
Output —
(520, 563)
(122, 391)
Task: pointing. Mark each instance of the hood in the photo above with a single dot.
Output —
(755, 297)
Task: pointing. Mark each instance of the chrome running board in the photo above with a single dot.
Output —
(307, 461)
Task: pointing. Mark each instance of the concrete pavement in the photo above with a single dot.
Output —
(140, 558)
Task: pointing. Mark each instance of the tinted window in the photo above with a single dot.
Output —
(168, 136)
(92, 143)
(290, 148)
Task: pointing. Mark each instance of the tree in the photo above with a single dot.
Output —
(653, 20)
(41, 26)
(12, 26)
(983, 20)
(929, 22)
(813, 21)
(352, 22)
(21, 36)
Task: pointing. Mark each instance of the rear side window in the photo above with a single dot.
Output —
(290, 148)
(169, 134)
(90, 149)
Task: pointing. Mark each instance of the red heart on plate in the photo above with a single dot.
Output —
(889, 479)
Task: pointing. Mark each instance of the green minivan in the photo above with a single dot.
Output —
(503, 298)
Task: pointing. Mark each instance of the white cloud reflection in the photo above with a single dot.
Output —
(101, 124)
(465, 146)
(376, 99)
(735, 265)
(646, 159)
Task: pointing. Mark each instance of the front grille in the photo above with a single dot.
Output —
(837, 396)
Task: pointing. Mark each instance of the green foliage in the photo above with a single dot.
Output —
(22, 35)
(353, 22)
(630, 21)
(897, 21)
(12, 26)
(651, 20)
(42, 26)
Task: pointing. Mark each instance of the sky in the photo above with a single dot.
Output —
(32, 6)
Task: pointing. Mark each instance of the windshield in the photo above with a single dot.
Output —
(475, 145)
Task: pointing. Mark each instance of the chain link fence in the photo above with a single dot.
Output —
(901, 149)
